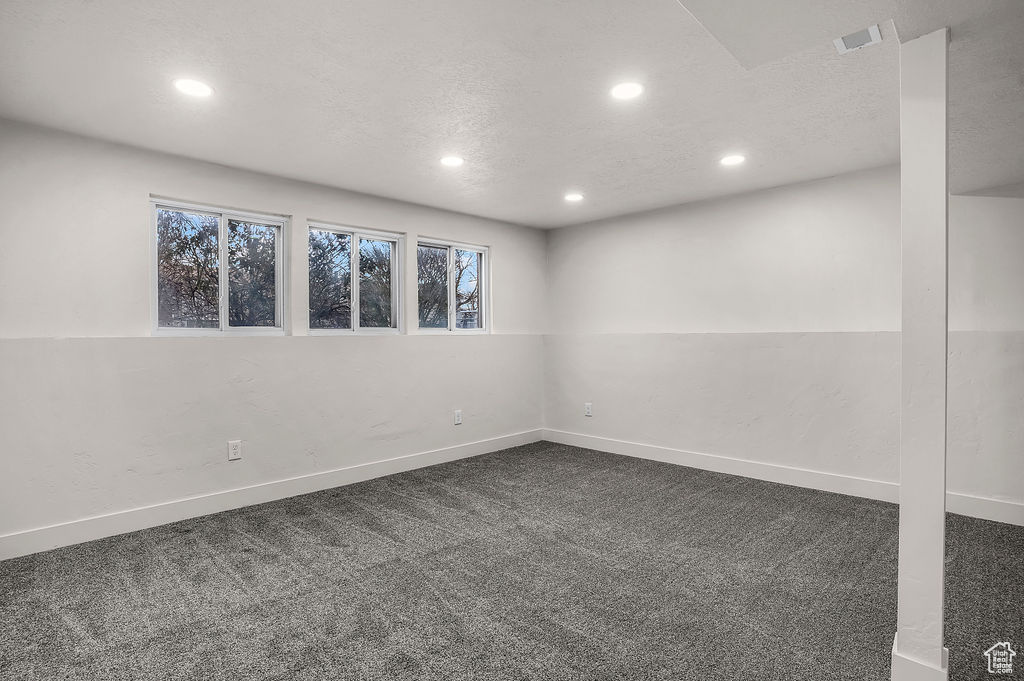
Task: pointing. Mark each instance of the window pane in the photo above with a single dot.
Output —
(188, 261)
(467, 289)
(375, 283)
(330, 280)
(252, 290)
(432, 265)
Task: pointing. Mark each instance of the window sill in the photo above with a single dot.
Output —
(354, 332)
(453, 332)
(163, 332)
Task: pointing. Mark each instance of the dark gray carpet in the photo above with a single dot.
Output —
(540, 562)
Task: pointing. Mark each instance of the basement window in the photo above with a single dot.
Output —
(217, 271)
(353, 280)
(450, 286)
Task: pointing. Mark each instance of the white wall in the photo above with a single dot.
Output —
(762, 332)
(765, 328)
(986, 263)
(821, 256)
(986, 347)
(98, 417)
(91, 200)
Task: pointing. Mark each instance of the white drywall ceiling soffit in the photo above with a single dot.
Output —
(757, 32)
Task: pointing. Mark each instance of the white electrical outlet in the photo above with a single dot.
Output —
(234, 450)
(588, 408)
(458, 417)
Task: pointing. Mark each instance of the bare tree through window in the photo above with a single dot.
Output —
(252, 274)
(375, 295)
(432, 269)
(467, 289)
(188, 269)
(449, 287)
(330, 280)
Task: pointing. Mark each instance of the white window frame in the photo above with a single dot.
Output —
(483, 281)
(397, 241)
(224, 216)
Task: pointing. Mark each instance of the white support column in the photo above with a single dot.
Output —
(918, 654)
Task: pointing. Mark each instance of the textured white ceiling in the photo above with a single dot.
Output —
(369, 94)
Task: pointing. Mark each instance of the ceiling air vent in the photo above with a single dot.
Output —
(848, 43)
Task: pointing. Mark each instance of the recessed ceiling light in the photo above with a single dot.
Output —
(733, 159)
(193, 88)
(574, 197)
(452, 161)
(627, 90)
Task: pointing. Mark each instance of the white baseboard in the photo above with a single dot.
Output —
(788, 475)
(964, 504)
(96, 527)
(1000, 510)
(106, 525)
